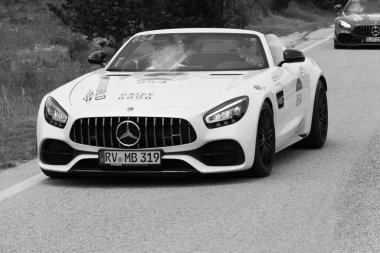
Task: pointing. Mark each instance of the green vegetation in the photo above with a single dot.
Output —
(118, 19)
(39, 53)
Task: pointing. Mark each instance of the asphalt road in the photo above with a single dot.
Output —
(325, 200)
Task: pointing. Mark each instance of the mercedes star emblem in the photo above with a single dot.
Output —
(128, 133)
(375, 30)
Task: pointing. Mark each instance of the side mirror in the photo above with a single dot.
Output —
(293, 55)
(337, 7)
(99, 57)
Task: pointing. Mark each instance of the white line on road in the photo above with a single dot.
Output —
(21, 186)
(317, 43)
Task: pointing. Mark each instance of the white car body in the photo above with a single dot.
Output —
(187, 95)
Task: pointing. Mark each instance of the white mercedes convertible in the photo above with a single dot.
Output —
(185, 100)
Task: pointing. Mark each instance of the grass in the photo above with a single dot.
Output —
(38, 53)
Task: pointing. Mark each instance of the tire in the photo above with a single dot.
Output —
(337, 46)
(53, 174)
(319, 125)
(265, 144)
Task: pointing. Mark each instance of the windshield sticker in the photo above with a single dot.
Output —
(89, 96)
(166, 74)
(136, 96)
(374, 17)
(153, 81)
(142, 38)
(102, 88)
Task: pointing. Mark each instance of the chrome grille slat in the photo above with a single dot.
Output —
(104, 134)
(74, 133)
(138, 119)
(118, 122)
(163, 132)
(81, 131)
(88, 132)
(171, 131)
(111, 136)
(146, 133)
(155, 132)
(96, 132)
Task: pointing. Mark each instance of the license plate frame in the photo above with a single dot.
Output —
(372, 39)
(128, 158)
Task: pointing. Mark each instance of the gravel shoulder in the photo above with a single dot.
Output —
(358, 227)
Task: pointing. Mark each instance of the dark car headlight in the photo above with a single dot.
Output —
(54, 114)
(345, 25)
(227, 113)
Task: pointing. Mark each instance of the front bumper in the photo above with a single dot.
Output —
(355, 37)
(190, 157)
(215, 153)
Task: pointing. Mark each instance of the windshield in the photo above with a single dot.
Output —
(363, 6)
(191, 51)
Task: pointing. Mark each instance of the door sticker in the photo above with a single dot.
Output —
(299, 92)
(280, 99)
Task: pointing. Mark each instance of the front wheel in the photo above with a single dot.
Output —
(265, 144)
(319, 124)
(337, 46)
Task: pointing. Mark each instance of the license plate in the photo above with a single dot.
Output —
(128, 158)
(372, 39)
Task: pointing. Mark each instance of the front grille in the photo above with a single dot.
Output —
(363, 30)
(155, 132)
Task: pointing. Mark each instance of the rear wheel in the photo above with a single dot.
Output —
(265, 144)
(319, 124)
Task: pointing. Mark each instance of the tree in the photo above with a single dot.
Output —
(278, 5)
(118, 19)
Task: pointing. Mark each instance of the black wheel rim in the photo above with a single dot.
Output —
(323, 115)
(266, 137)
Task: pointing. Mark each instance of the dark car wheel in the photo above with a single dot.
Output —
(337, 46)
(265, 144)
(319, 125)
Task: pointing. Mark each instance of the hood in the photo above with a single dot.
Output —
(361, 19)
(176, 89)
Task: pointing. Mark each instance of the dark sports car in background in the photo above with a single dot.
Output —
(357, 24)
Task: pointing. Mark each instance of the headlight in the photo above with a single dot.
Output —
(227, 113)
(54, 114)
(344, 24)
